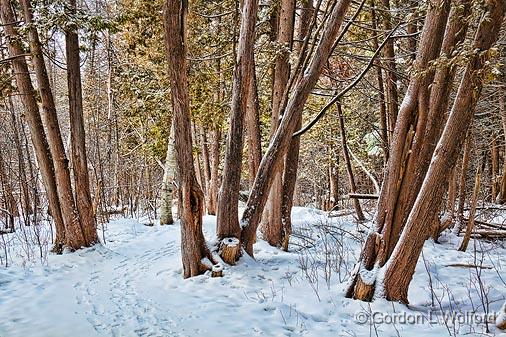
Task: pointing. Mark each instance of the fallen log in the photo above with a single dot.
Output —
(487, 224)
(489, 234)
(466, 265)
(362, 196)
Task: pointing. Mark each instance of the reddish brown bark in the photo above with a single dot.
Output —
(191, 197)
(292, 156)
(401, 266)
(253, 130)
(228, 197)
(397, 193)
(472, 212)
(85, 234)
(430, 117)
(273, 158)
(403, 177)
(70, 215)
(35, 125)
(272, 227)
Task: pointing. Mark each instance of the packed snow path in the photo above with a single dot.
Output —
(132, 286)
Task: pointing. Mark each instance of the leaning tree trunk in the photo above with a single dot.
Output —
(50, 119)
(418, 127)
(23, 178)
(27, 93)
(228, 197)
(432, 104)
(191, 197)
(401, 267)
(84, 235)
(273, 158)
(403, 176)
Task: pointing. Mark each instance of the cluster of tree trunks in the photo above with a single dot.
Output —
(419, 166)
(74, 220)
(303, 82)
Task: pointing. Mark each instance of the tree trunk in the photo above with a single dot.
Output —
(70, 214)
(27, 93)
(292, 156)
(228, 197)
(472, 211)
(383, 116)
(401, 266)
(10, 203)
(391, 73)
(347, 162)
(167, 192)
(334, 182)
(272, 227)
(273, 158)
(191, 197)
(253, 130)
(198, 166)
(84, 235)
(418, 127)
(463, 182)
(205, 159)
(449, 216)
(494, 167)
(214, 182)
(23, 178)
(502, 110)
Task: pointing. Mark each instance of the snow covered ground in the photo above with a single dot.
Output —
(132, 286)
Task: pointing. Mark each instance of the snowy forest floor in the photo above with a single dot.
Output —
(132, 286)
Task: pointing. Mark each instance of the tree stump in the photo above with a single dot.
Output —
(229, 250)
(217, 270)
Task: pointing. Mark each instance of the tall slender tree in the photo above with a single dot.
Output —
(191, 197)
(228, 198)
(86, 234)
(272, 227)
